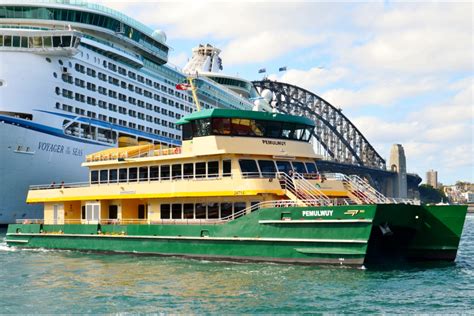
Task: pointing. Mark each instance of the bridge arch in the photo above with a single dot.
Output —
(339, 137)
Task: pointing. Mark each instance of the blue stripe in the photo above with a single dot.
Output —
(116, 127)
(45, 129)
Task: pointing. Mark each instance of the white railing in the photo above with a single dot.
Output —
(61, 185)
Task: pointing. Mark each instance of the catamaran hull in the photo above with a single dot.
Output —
(342, 235)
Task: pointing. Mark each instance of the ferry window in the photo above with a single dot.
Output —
(94, 176)
(288, 131)
(307, 133)
(249, 168)
(165, 172)
(123, 175)
(299, 132)
(239, 206)
(113, 175)
(132, 174)
(176, 171)
(267, 168)
(200, 210)
(311, 167)
(212, 169)
(299, 167)
(113, 211)
(188, 211)
(226, 168)
(188, 170)
(154, 173)
(187, 131)
(213, 210)
(165, 211)
(200, 169)
(226, 210)
(176, 211)
(142, 211)
(221, 126)
(83, 212)
(253, 204)
(258, 127)
(284, 166)
(202, 127)
(143, 173)
(273, 129)
(241, 127)
(104, 176)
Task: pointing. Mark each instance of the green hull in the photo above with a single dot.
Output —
(349, 235)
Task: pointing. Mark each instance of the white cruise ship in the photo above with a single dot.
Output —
(77, 78)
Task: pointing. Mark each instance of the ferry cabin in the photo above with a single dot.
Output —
(227, 165)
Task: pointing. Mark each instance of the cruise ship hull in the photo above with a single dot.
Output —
(30, 156)
(352, 235)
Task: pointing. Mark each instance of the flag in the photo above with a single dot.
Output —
(260, 71)
(183, 86)
(282, 69)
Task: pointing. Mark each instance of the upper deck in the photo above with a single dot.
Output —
(97, 20)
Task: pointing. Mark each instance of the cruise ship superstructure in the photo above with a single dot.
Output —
(77, 78)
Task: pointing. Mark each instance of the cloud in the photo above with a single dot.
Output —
(178, 59)
(313, 79)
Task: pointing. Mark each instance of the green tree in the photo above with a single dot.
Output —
(428, 194)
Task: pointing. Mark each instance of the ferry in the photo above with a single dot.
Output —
(243, 186)
(77, 78)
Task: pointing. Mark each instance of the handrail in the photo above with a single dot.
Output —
(302, 189)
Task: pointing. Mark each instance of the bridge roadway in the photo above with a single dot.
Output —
(381, 179)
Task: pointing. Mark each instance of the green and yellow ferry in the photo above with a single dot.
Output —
(244, 185)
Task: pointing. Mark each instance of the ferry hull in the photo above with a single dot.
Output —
(352, 235)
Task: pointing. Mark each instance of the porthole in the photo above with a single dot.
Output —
(55, 75)
(48, 59)
(60, 62)
(58, 91)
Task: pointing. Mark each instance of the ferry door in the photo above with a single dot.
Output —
(58, 214)
(93, 213)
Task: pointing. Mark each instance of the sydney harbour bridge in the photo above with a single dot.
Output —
(345, 148)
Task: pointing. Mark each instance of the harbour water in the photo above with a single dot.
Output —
(40, 281)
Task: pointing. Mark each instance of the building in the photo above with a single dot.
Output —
(432, 178)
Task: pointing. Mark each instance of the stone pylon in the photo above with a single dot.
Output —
(398, 164)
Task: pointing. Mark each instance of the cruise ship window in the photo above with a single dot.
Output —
(47, 42)
(165, 211)
(154, 173)
(200, 211)
(34, 42)
(24, 42)
(94, 176)
(165, 172)
(66, 41)
(176, 211)
(176, 171)
(56, 41)
(212, 169)
(188, 211)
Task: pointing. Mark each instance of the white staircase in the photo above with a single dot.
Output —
(298, 189)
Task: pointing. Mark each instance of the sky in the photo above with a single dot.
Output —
(402, 72)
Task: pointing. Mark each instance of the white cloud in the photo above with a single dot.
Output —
(178, 59)
(314, 78)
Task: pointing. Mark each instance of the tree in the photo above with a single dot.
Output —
(428, 194)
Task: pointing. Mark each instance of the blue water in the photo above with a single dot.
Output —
(40, 281)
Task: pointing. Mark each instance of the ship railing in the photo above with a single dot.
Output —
(30, 221)
(55, 185)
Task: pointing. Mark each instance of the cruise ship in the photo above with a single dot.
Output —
(78, 78)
